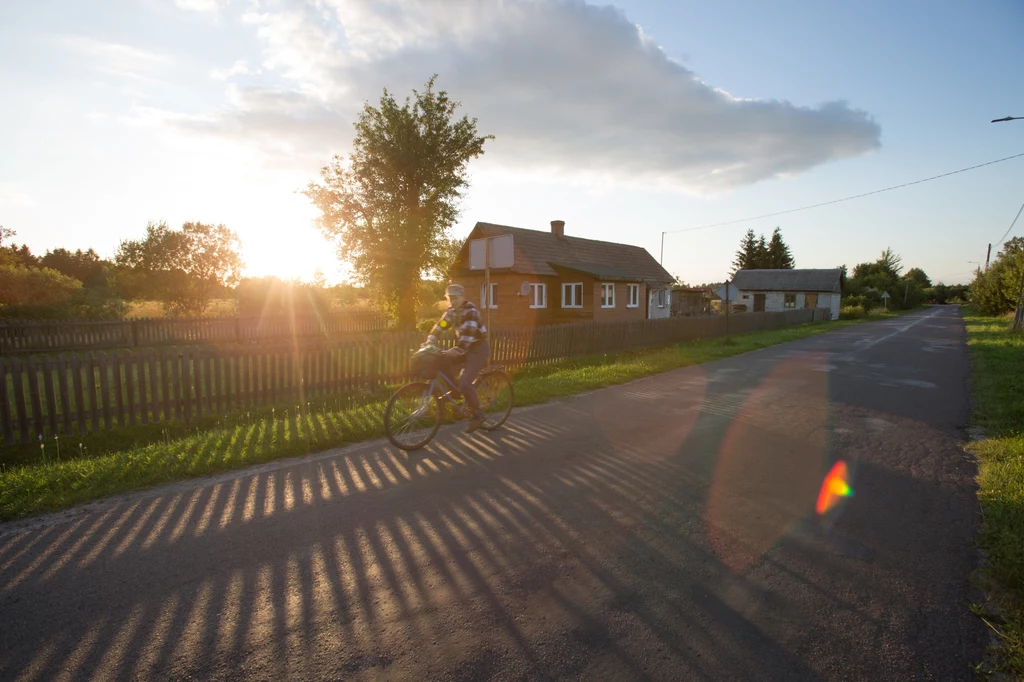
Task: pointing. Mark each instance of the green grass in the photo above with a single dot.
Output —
(997, 358)
(49, 485)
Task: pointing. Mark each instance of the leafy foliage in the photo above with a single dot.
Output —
(996, 291)
(389, 206)
(865, 288)
(183, 269)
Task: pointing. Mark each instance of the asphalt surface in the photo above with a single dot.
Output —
(663, 529)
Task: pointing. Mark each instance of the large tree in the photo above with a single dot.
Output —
(389, 206)
(995, 291)
(778, 256)
(184, 268)
(747, 256)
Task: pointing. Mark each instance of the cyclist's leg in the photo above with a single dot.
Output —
(476, 359)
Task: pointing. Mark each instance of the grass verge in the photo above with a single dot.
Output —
(42, 486)
(997, 359)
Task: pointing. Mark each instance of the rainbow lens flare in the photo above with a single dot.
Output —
(835, 486)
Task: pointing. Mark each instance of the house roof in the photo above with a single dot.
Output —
(827, 281)
(539, 252)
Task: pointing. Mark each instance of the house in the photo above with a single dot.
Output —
(779, 290)
(555, 278)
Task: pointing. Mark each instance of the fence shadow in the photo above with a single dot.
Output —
(550, 549)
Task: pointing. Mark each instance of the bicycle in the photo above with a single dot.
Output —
(414, 412)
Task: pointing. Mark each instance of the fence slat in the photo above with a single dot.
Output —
(187, 382)
(51, 396)
(116, 366)
(131, 382)
(104, 402)
(6, 418)
(17, 375)
(179, 384)
(33, 391)
(61, 367)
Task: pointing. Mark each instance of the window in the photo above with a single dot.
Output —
(632, 295)
(607, 295)
(493, 300)
(572, 295)
(661, 298)
(539, 292)
(790, 301)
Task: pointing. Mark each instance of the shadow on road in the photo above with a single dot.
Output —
(557, 547)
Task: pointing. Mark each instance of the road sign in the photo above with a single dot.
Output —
(502, 252)
(885, 295)
(734, 293)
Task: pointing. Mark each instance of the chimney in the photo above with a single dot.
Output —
(558, 228)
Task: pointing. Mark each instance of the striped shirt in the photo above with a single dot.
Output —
(467, 323)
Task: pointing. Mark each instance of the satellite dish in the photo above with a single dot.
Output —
(524, 289)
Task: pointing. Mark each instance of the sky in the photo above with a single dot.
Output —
(626, 120)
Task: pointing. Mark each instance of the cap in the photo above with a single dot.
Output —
(455, 290)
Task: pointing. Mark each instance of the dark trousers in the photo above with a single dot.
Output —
(471, 363)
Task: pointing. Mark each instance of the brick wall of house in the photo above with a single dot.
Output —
(514, 310)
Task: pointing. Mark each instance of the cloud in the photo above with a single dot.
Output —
(567, 88)
(205, 6)
(117, 58)
(239, 68)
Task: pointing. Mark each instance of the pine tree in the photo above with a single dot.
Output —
(761, 259)
(778, 255)
(746, 257)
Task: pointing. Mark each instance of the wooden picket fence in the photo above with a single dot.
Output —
(77, 393)
(36, 337)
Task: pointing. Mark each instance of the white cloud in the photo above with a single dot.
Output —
(117, 58)
(206, 6)
(568, 88)
(12, 195)
(239, 68)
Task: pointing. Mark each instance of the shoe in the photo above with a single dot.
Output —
(475, 423)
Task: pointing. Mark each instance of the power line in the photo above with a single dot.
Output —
(1011, 224)
(851, 198)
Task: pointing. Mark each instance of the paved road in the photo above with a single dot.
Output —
(659, 530)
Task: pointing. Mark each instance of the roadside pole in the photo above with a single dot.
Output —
(727, 309)
(1018, 318)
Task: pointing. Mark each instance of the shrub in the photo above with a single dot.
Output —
(852, 312)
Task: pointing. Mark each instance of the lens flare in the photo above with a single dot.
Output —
(835, 486)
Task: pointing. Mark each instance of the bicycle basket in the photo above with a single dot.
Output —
(426, 362)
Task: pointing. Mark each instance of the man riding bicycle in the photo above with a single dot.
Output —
(471, 351)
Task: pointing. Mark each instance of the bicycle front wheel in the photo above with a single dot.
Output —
(412, 416)
(494, 390)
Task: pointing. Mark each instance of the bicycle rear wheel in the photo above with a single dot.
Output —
(494, 390)
(412, 416)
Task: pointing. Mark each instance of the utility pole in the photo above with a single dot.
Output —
(662, 259)
(905, 292)
(988, 256)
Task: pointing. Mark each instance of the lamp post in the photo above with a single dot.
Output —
(1007, 118)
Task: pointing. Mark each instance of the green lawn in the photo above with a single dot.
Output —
(997, 358)
(134, 460)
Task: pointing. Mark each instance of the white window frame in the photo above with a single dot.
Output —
(785, 303)
(662, 298)
(542, 289)
(605, 288)
(632, 294)
(493, 298)
(565, 287)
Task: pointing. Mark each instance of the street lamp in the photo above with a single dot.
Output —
(1007, 118)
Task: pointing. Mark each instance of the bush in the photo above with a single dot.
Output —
(852, 312)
